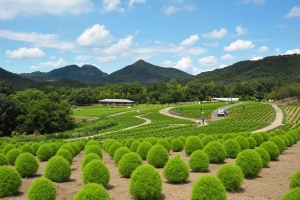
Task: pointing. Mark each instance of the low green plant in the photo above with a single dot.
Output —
(164, 142)
(295, 180)
(207, 139)
(120, 152)
(252, 142)
(199, 161)
(215, 151)
(12, 156)
(134, 145)
(279, 142)
(250, 162)
(7, 148)
(54, 148)
(231, 176)
(65, 154)
(89, 157)
(69, 148)
(128, 163)
(265, 136)
(258, 138)
(292, 194)
(244, 144)
(92, 191)
(271, 148)
(177, 145)
(41, 188)
(44, 153)
(35, 146)
(232, 148)
(208, 187)
(113, 148)
(58, 169)
(264, 155)
(145, 183)
(11, 176)
(26, 164)
(26, 148)
(3, 160)
(93, 149)
(157, 156)
(192, 144)
(96, 172)
(176, 170)
(143, 149)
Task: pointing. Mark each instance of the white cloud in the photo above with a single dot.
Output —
(131, 2)
(215, 34)
(277, 51)
(120, 47)
(95, 36)
(170, 10)
(25, 53)
(256, 58)
(240, 30)
(227, 57)
(208, 61)
(38, 40)
(179, 50)
(184, 64)
(84, 57)
(239, 45)
(59, 63)
(263, 49)
(112, 5)
(294, 12)
(196, 71)
(190, 41)
(294, 51)
(222, 66)
(257, 2)
(215, 44)
(106, 59)
(9, 9)
(142, 57)
(169, 63)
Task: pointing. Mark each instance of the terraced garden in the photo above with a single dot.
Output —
(168, 158)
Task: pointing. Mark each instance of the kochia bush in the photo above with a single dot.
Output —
(250, 162)
(176, 170)
(258, 138)
(3, 160)
(143, 149)
(128, 163)
(164, 143)
(231, 176)
(58, 169)
(271, 148)
(44, 152)
(41, 188)
(292, 194)
(215, 151)
(244, 144)
(93, 149)
(65, 154)
(92, 191)
(232, 148)
(26, 164)
(265, 157)
(119, 153)
(199, 161)
(295, 180)
(134, 145)
(192, 144)
(12, 156)
(89, 157)
(207, 139)
(252, 142)
(96, 172)
(279, 142)
(11, 176)
(158, 156)
(177, 145)
(113, 148)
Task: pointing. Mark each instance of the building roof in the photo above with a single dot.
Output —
(116, 101)
(225, 99)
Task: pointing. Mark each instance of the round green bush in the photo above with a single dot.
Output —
(176, 170)
(92, 191)
(231, 176)
(76, 147)
(182, 138)
(26, 164)
(294, 136)
(113, 148)
(286, 140)
(143, 149)
(258, 138)
(10, 181)
(41, 188)
(265, 136)
(26, 148)
(295, 180)
(199, 161)
(215, 152)
(164, 142)
(291, 139)
(232, 148)
(65, 154)
(120, 152)
(208, 187)
(54, 148)
(7, 148)
(134, 146)
(96, 172)
(265, 157)
(250, 162)
(252, 142)
(35, 147)
(192, 144)
(58, 169)
(157, 156)
(129, 142)
(69, 148)
(145, 183)
(128, 163)
(93, 149)
(44, 153)
(177, 145)
(207, 139)
(3, 160)
(292, 194)
(107, 143)
(93, 142)
(89, 157)
(152, 140)
(244, 144)
(12, 156)
(279, 142)
(271, 148)
(227, 136)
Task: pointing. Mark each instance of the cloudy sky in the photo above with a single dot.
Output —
(190, 35)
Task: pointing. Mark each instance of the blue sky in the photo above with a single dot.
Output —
(190, 35)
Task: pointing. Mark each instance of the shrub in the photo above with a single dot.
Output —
(192, 144)
(3, 160)
(207, 139)
(107, 143)
(92, 191)
(176, 170)
(54, 148)
(96, 172)
(134, 146)
(26, 164)
(252, 142)
(232, 148)
(286, 140)
(143, 149)
(58, 169)
(242, 142)
(163, 142)
(41, 188)
(215, 151)
(11, 176)
(7, 148)
(279, 142)
(265, 136)
(113, 148)
(44, 153)
(26, 148)
(227, 136)
(93, 142)
(129, 142)
(231, 176)
(157, 156)
(271, 148)
(128, 163)
(258, 138)
(177, 145)
(199, 161)
(152, 140)
(12, 156)
(93, 149)
(295, 180)
(89, 157)
(120, 152)
(291, 139)
(35, 147)
(182, 138)
(294, 136)
(69, 148)
(292, 194)
(76, 148)
(65, 154)
(250, 162)
(145, 183)
(264, 155)
(208, 187)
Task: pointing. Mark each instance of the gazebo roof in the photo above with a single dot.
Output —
(116, 101)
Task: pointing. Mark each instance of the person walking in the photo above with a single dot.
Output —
(203, 120)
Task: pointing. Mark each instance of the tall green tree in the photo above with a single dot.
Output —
(8, 115)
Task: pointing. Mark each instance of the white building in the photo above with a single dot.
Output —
(227, 99)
